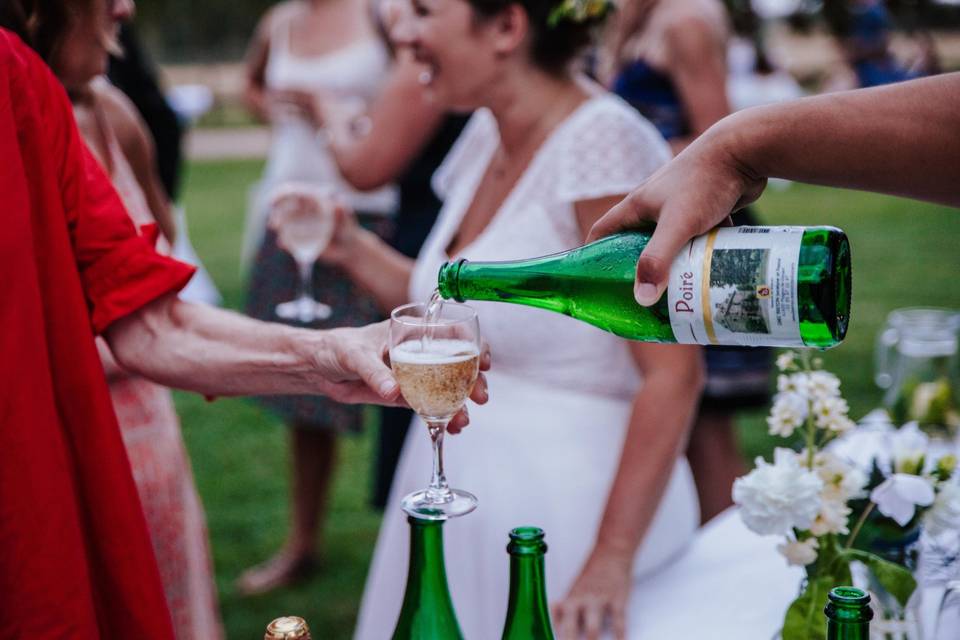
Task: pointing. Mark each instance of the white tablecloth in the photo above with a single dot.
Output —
(730, 584)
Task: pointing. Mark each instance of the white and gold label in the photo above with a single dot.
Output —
(737, 286)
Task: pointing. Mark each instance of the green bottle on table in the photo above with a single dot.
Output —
(427, 612)
(752, 286)
(848, 614)
(528, 616)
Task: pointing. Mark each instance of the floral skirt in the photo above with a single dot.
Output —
(274, 279)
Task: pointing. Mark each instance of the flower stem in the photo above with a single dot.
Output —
(859, 525)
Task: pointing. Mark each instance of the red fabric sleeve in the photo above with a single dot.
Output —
(120, 271)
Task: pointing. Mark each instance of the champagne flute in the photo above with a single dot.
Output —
(436, 363)
(304, 221)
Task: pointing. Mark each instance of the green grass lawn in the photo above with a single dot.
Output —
(904, 254)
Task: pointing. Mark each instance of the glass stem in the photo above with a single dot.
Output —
(439, 490)
(306, 279)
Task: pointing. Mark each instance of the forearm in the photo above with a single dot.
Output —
(659, 424)
(216, 352)
(902, 139)
(380, 269)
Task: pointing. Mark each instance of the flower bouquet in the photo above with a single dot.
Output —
(838, 502)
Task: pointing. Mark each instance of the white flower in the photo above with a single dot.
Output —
(831, 413)
(832, 518)
(800, 553)
(823, 384)
(841, 480)
(908, 447)
(793, 383)
(944, 515)
(788, 413)
(899, 495)
(776, 497)
(786, 360)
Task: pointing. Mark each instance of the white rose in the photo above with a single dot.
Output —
(788, 413)
(944, 515)
(775, 498)
(832, 518)
(899, 495)
(800, 553)
(823, 384)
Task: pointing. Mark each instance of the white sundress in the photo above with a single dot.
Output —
(545, 449)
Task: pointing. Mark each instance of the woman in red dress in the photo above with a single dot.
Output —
(75, 554)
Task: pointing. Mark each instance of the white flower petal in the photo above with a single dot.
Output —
(898, 496)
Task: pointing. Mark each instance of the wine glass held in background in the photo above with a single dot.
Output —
(436, 361)
(303, 218)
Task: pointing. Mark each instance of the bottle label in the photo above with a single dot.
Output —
(737, 286)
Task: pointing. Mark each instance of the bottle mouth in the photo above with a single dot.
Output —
(527, 541)
(849, 596)
(448, 280)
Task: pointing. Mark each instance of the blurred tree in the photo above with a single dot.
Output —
(192, 31)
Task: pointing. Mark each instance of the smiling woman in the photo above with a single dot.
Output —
(586, 422)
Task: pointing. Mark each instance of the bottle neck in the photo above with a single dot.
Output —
(848, 614)
(528, 614)
(427, 571)
(527, 584)
(427, 610)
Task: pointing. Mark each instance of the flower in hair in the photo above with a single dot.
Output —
(579, 11)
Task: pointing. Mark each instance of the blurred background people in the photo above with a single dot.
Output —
(402, 138)
(115, 133)
(300, 51)
(546, 153)
(667, 58)
(863, 29)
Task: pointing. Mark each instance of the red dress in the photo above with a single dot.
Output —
(75, 555)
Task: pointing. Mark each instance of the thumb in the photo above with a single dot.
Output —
(375, 373)
(653, 267)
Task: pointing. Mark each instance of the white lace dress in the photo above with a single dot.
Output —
(545, 450)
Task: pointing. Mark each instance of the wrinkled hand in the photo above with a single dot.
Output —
(354, 369)
(597, 600)
(690, 195)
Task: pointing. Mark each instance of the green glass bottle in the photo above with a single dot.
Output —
(528, 616)
(427, 611)
(848, 614)
(773, 286)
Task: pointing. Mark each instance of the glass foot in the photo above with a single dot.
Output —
(421, 505)
(303, 310)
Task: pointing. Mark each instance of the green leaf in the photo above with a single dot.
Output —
(896, 579)
(804, 619)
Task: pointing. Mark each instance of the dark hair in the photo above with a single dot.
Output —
(552, 47)
(42, 24)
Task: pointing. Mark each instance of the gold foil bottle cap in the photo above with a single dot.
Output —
(287, 628)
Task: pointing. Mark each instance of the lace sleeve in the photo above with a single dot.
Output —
(479, 133)
(609, 151)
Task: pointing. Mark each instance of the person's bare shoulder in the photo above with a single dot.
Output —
(124, 119)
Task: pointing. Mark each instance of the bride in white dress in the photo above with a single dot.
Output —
(584, 431)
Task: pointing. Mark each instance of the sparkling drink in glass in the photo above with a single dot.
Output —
(436, 363)
(304, 221)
